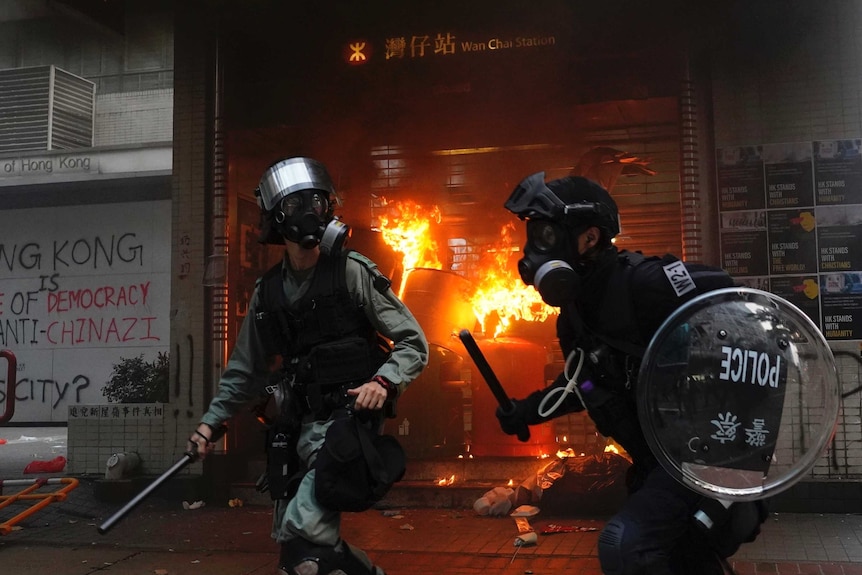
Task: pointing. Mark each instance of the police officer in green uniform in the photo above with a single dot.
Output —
(345, 341)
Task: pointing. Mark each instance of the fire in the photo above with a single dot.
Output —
(501, 296)
(444, 482)
(406, 228)
(611, 449)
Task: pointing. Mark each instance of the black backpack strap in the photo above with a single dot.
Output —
(269, 315)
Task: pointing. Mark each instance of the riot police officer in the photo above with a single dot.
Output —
(330, 316)
(611, 303)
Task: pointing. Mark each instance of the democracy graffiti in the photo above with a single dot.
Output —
(63, 318)
(40, 311)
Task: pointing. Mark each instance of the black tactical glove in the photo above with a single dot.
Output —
(522, 414)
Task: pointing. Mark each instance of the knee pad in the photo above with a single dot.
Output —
(610, 547)
(302, 557)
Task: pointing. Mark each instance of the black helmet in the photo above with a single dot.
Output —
(572, 201)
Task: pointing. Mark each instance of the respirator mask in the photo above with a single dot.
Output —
(297, 199)
(545, 264)
(553, 227)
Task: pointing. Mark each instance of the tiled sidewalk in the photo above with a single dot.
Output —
(214, 540)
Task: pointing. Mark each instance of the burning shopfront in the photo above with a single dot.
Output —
(427, 119)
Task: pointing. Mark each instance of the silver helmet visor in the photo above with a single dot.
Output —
(293, 175)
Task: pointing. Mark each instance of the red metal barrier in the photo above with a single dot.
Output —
(11, 380)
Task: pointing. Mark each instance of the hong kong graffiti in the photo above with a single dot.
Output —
(75, 305)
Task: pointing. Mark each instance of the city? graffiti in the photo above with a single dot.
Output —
(41, 390)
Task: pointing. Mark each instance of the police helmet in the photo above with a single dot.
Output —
(573, 201)
(297, 200)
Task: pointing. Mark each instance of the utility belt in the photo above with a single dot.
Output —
(296, 401)
(320, 400)
(614, 369)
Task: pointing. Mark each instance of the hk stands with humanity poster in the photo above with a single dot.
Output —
(791, 224)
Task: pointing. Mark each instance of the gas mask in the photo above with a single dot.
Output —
(545, 264)
(551, 260)
(297, 199)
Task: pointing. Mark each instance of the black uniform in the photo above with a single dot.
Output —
(623, 299)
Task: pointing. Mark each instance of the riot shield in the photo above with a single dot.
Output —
(738, 394)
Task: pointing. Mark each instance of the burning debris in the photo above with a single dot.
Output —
(567, 485)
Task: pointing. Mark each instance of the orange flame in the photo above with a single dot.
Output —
(406, 228)
(501, 294)
(444, 481)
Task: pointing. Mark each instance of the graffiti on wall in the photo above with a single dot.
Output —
(78, 295)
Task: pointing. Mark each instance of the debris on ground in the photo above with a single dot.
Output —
(525, 511)
(526, 539)
(552, 528)
(52, 466)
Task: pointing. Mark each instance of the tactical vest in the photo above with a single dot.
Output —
(616, 344)
(615, 353)
(324, 338)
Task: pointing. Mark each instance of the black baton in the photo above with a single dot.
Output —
(490, 377)
(188, 457)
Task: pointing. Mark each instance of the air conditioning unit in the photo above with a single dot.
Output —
(45, 108)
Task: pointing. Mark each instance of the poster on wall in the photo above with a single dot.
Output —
(811, 240)
(740, 178)
(85, 290)
(838, 172)
(792, 242)
(744, 243)
(839, 238)
(841, 305)
(788, 175)
(801, 291)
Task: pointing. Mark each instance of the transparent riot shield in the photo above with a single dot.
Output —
(738, 394)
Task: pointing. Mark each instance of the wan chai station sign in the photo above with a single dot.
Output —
(441, 44)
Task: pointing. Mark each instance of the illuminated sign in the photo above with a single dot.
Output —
(357, 52)
(441, 44)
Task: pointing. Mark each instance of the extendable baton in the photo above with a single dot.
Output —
(188, 457)
(490, 377)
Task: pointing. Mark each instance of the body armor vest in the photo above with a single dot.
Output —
(324, 338)
(615, 348)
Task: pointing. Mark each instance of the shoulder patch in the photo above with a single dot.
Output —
(679, 278)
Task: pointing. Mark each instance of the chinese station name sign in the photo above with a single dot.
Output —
(358, 52)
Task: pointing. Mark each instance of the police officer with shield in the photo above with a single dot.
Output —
(346, 343)
(611, 304)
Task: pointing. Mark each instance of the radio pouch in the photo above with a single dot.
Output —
(340, 362)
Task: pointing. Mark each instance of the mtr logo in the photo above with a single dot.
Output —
(357, 52)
